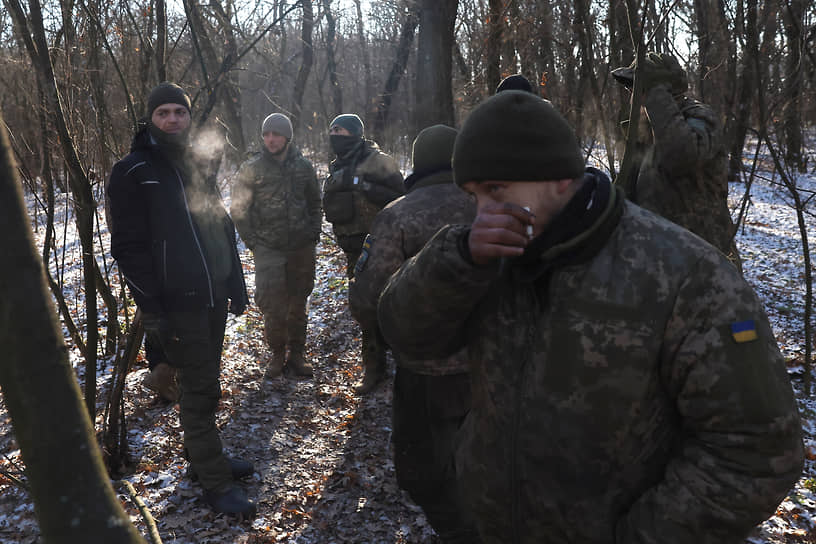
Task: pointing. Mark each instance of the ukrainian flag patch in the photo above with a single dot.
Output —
(364, 253)
(744, 331)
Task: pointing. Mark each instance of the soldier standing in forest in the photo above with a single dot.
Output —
(276, 208)
(627, 386)
(175, 246)
(431, 397)
(683, 173)
(362, 180)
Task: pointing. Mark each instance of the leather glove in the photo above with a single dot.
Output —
(663, 69)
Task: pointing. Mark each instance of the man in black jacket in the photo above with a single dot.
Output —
(175, 245)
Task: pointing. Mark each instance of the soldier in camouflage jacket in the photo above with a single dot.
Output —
(431, 397)
(276, 208)
(627, 387)
(362, 180)
(682, 174)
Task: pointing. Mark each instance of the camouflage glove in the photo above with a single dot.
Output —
(663, 69)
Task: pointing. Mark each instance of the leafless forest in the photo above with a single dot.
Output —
(75, 74)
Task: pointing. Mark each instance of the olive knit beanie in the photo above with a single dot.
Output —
(166, 93)
(279, 124)
(516, 136)
(433, 148)
(350, 122)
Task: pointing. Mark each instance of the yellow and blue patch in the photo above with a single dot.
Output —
(744, 331)
(363, 259)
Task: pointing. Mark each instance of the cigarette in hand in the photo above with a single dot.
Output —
(529, 227)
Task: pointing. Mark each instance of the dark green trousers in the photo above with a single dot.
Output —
(193, 345)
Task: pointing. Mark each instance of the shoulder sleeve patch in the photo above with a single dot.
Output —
(744, 331)
(364, 254)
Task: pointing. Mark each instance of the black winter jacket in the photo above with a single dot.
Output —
(156, 240)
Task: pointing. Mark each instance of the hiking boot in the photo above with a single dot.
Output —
(240, 469)
(374, 374)
(162, 380)
(233, 502)
(298, 365)
(276, 362)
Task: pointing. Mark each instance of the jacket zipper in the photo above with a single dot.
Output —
(197, 241)
(164, 260)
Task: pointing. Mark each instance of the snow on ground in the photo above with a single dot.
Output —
(324, 472)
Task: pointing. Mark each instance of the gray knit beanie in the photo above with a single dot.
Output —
(278, 123)
(516, 136)
(350, 122)
(166, 93)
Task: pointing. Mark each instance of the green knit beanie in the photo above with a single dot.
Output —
(350, 122)
(433, 148)
(516, 136)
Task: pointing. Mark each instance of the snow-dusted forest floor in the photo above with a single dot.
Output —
(324, 472)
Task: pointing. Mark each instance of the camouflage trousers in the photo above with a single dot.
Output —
(283, 282)
(427, 413)
(193, 345)
(374, 346)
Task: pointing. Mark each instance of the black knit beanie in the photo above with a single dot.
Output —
(350, 122)
(166, 93)
(515, 82)
(516, 136)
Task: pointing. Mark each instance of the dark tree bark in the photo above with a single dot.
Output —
(331, 63)
(793, 17)
(434, 92)
(307, 59)
(745, 87)
(495, 33)
(546, 56)
(369, 85)
(72, 494)
(392, 83)
(33, 35)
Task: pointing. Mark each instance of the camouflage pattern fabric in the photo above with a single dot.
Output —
(284, 280)
(635, 397)
(683, 175)
(277, 204)
(398, 233)
(364, 187)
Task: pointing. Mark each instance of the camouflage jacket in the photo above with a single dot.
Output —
(357, 188)
(277, 204)
(683, 174)
(398, 232)
(636, 395)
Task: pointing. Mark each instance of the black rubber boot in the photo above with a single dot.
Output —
(233, 502)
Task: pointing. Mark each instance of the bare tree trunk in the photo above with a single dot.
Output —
(407, 32)
(33, 35)
(161, 40)
(72, 494)
(434, 93)
(495, 32)
(794, 19)
(369, 86)
(546, 56)
(307, 23)
(745, 86)
(331, 64)
(713, 40)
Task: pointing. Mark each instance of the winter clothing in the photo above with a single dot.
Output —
(277, 203)
(511, 137)
(431, 396)
(683, 174)
(359, 185)
(627, 386)
(350, 122)
(175, 245)
(277, 123)
(658, 69)
(167, 93)
(515, 82)
(276, 206)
